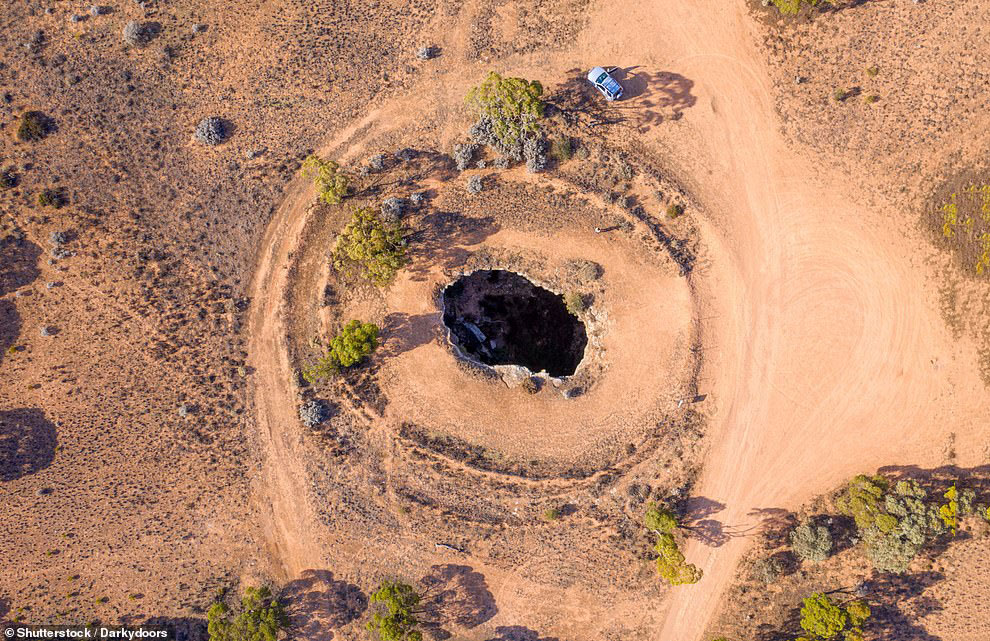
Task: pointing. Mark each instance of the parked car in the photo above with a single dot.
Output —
(605, 83)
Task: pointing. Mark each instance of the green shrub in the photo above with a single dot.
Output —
(34, 126)
(871, 98)
(52, 198)
(840, 94)
(551, 514)
(791, 7)
(396, 616)
(675, 210)
(872, 71)
(576, 303)
(261, 618)
(966, 225)
(512, 105)
(767, 570)
(355, 342)
(331, 183)
(375, 248)
(811, 542)
(561, 148)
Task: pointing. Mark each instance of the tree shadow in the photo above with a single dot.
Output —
(440, 238)
(775, 525)
(182, 628)
(457, 594)
(898, 601)
(27, 442)
(317, 604)
(18, 264)
(404, 332)
(518, 633)
(10, 327)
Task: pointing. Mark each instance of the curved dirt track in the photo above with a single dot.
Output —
(821, 338)
(824, 339)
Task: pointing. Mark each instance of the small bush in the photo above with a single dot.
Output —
(211, 131)
(475, 184)
(872, 71)
(561, 148)
(871, 98)
(535, 153)
(313, 412)
(392, 210)
(767, 570)
(52, 198)
(811, 543)
(34, 126)
(395, 615)
(377, 162)
(331, 183)
(137, 33)
(463, 155)
(8, 179)
(675, 210)
(576, 303)
(551, 514)
(840, 94)
(530, 385)
(426, 53)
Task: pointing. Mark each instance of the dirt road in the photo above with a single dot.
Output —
(825, 337)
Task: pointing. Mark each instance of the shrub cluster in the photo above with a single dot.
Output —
(463, 155)
(475, 184)
(331, 183)
(34, 126)
(671, 564)
(313, 412)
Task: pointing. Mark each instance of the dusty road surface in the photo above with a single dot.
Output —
(826, 356)
(830, 355)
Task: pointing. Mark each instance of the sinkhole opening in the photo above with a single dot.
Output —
(498, 317)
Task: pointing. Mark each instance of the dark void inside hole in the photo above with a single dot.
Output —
(500, 318)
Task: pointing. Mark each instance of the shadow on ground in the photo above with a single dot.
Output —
(317, 604)
(456, 595)
(27, 442)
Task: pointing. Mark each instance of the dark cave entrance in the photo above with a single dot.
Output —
(500, 318)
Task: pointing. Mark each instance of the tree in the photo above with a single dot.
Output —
(823, 619)
(863, 501)
(396, 617)
(512, 105)
(811, 542)
(376, 248)
(330, 181)
(660, 519)
(261, 618)
(355, 342)
(670, 562)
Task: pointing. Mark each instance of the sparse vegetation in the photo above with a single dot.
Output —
(397, 611)
(354, 343)
(331, 183)
(52, 198)
(375, 248)
(792, 7)
(34, 126)
(262, 616)
(965, 219)
(840, 94)
(675, 210)
(870, 98)
(561, 148)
